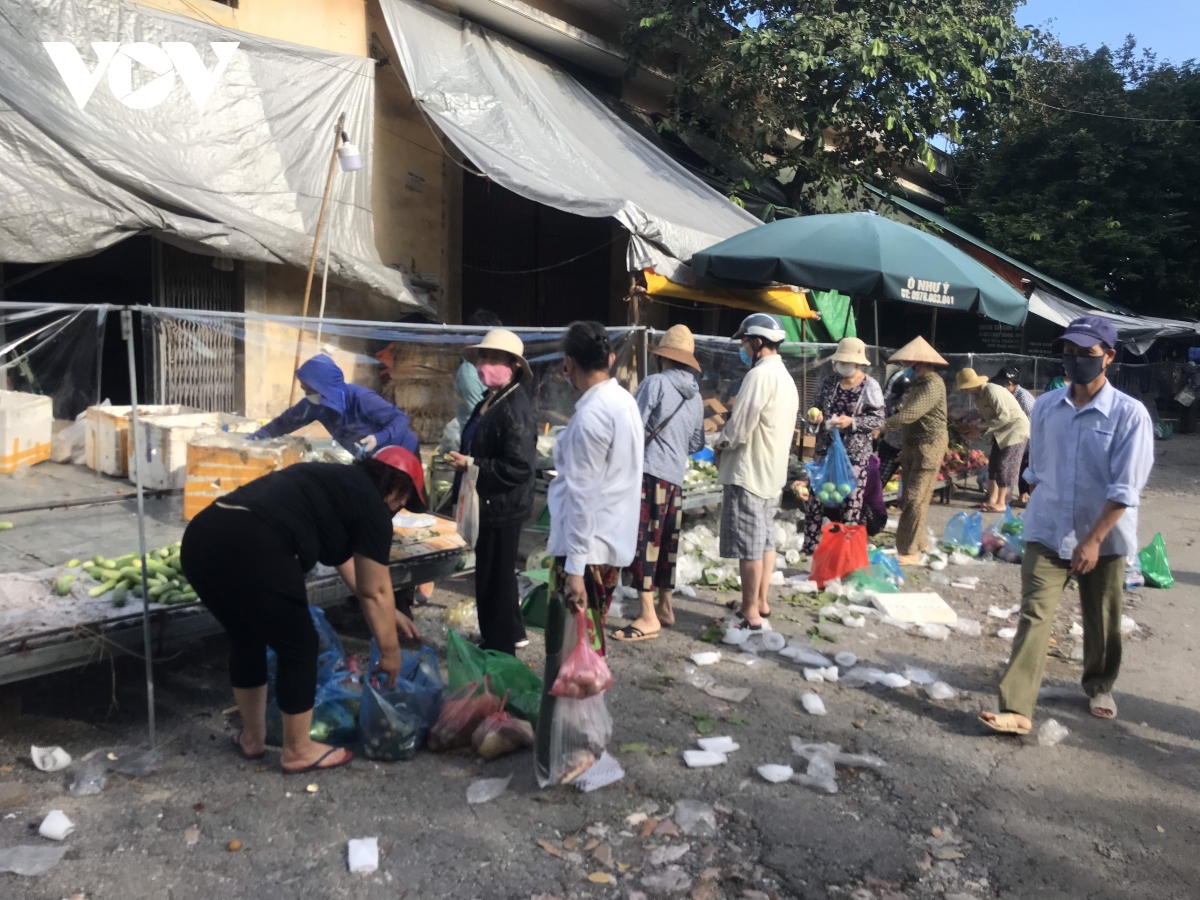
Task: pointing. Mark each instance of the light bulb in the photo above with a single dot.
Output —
(349, 158)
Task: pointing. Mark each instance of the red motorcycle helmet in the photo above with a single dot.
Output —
(410, 465)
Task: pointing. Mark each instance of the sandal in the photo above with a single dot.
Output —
(317, 765)
(633, 634)
(735, 605)
(1103, 706)
(249, 757)
(1005, 723)
(743, 622)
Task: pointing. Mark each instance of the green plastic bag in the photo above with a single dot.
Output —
(1154, 564)
(865, 580)
(468, 663)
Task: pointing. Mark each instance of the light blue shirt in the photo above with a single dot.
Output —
(1080, 459)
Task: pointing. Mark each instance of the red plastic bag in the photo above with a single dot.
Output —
(584, 673)
(843, 549)
(461, 715)
(501, 733)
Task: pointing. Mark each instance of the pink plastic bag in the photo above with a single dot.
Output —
(584, 673)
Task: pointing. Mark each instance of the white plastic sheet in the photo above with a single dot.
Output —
(534, 129)
(133, 122)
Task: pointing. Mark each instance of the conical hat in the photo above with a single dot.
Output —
(918, 350)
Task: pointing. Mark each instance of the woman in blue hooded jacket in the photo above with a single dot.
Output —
(357, 417)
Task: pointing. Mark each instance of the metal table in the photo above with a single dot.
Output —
(177, 626)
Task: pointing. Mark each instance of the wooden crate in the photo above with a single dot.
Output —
(222, 463)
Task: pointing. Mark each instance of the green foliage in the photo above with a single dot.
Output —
(1107, 202)
(830, 90)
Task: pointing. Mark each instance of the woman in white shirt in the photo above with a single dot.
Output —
(595, 499)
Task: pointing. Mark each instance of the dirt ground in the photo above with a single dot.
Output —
(1108, 813)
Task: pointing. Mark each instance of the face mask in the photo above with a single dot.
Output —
(845, 369)
(495, 375)
(314, 399)
(909, 373)
(746, 358)
(1083, 369)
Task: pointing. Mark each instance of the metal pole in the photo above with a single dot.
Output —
(875, 310)
(933, 330)
(138, 449)
(312, 262)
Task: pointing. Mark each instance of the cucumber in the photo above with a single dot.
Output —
(95, 572)
(73, 564)
(130, 572)
(164, 553)
(97, 560)
(102, 589)
(120, 595)
(158, 568)
(170, 597)
(122, 561)
(63, 585)
(109, 564)
(188, 597)
(6, 526)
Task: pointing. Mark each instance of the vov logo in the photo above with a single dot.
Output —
(118, 60)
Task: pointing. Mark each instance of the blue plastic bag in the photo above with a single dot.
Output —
(335, 712)
(833, 479)
(964, 532)
(884, 567)
(1134, 578)
(331, 657)
(393, 723)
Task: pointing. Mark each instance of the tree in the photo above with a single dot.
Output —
(1093, 178)
(835, 90)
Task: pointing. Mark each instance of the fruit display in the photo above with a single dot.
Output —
(699, 472)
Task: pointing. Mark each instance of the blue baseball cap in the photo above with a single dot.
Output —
(1088, 331)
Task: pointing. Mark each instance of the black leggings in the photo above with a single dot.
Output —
(496, 588)
(251, 582)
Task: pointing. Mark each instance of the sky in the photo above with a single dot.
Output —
(1169, 27)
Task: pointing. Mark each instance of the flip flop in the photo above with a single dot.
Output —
(743, 622)
(1106, 704)
(632, 634)
(317, 765)
(735, 605)
(249, 757)
(1006, 723)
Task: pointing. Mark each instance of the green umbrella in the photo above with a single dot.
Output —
(867, 255)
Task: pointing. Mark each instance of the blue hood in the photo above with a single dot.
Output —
(322, 375)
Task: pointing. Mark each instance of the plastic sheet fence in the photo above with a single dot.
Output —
(53, 350)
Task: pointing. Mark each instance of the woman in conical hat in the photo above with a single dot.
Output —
(922, 421)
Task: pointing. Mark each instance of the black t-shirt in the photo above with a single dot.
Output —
(327, 512)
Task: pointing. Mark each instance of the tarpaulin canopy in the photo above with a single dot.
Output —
(118, 120)
(785, 301)
(532, 128)
(1136, 333)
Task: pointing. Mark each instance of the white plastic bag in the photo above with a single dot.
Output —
(466, 513)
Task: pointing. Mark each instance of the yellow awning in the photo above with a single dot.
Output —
(782, 300)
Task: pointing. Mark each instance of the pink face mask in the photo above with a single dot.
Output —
(495, 375)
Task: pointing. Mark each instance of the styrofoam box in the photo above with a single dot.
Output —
(165, 442)
(25, 424)
(107, 434)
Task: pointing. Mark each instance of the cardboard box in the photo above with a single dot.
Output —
(26, 423)
(713, 424)
(222, 463)
(713, 406)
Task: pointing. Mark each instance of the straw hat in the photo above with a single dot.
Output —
(968, 378)
(851, 350)
(918, 350)
(677, 344)
(500, 339)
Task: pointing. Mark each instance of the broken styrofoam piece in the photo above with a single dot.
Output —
(686, 589)
(919, 676)
(939, 690)
(894, 680)
(625, 592)
(851, 620)
(56, 826)
(50, 759)
(363, 855)
(969, 627)
(933, 632)
(937, 563)
(706, 657)
(918, 608)
(776, 576)
(1003, 612)
(1006, 633)
(803, 584)
(835, 586)
(774, 773)
(699, 759)
(1077, 629)
(805, 655)
(813, 704)
(729, 694)
(830, 673)
(481, 790)
(668, 853)
(723, 744)
(1128, 625)
(834, 752)
(845, 659)
(30, 861)
(814, 675)
(605, 771)
(958, 558)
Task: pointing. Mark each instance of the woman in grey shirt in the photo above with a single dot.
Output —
(673, 416)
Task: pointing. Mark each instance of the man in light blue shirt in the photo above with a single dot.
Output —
(1090, 453)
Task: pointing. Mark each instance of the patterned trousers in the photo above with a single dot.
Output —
(658, 535)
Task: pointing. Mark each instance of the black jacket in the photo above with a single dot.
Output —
(505, 449)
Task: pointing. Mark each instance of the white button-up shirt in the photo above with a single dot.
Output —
(595, 500)
(1080, 459)
(757, 437)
